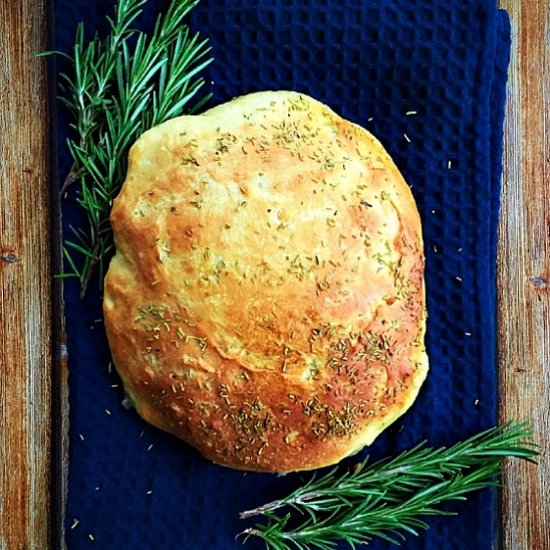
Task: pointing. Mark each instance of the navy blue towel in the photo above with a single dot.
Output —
(428, 78)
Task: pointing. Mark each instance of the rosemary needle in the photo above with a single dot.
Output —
(119, 87)
(388, 498)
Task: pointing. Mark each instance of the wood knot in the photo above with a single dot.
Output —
(10, 258)
(539, 282)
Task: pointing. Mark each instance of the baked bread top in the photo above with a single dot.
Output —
(266, 300)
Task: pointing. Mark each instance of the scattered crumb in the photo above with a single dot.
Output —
(150, 447)
(114, 385)
(141, 433)
(409, 113)
(81, 437)
(407, 138)
(98, 320)
(149, 493)
(91, 537)
(467, 334)
(370, 119)
(107, 412)
(433, 211)
(476, 402)
(75, 523)
(459, 250)
(435, 248)
(459, 279)
(110, 367)
(449, 165)
(97, 488)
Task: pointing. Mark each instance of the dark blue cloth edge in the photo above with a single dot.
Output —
(495, 155)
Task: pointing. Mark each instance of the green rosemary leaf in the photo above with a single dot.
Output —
(80, 249)
(75, 272)
(387, 499)
(79, 234)
(118, 87)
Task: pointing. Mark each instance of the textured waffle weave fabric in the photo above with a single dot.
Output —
(427, 77)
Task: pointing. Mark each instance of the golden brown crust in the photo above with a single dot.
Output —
(266, 302)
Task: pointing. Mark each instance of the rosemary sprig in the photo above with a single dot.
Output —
(119, 87)
(388, 498)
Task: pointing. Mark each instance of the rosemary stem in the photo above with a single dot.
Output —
(118, 87)
(388, 498)
(269, 507)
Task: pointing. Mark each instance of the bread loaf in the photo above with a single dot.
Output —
(266, 300)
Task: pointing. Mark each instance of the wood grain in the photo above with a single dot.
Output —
(25, 280)
(524, 273)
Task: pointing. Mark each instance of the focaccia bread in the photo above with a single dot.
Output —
(266, 301)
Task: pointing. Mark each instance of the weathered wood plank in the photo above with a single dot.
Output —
(524, 273)
(25, 280)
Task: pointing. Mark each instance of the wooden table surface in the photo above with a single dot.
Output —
(524, 272)
(26, 356)
(30, 362)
